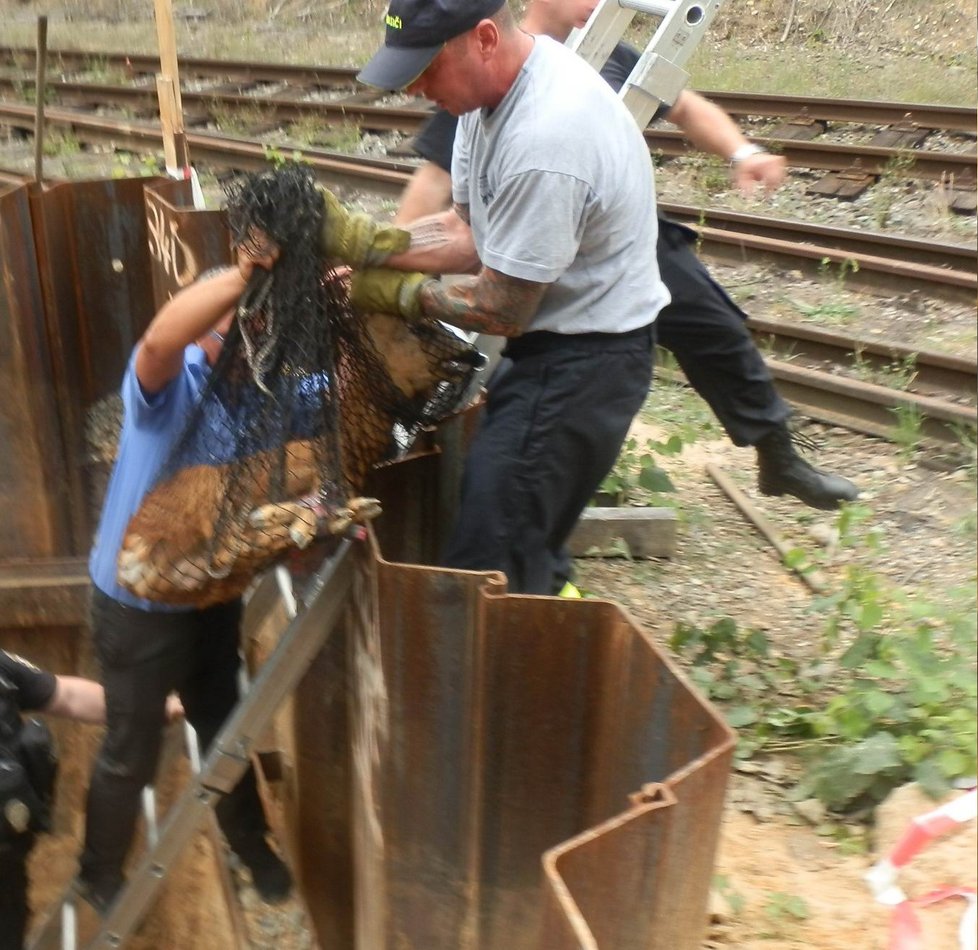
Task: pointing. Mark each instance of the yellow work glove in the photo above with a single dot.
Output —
(382, 290)
(355, 238)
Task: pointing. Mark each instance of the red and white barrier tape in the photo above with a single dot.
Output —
(905, 930)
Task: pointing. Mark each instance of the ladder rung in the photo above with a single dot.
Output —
(652, 7)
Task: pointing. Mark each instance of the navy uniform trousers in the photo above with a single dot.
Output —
(707, 333)
(552, 427)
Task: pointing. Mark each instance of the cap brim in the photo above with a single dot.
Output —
(394, 67)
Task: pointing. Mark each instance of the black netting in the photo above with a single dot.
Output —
(304, 398)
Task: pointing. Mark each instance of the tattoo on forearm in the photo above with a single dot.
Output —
(490, 303)
(428, 232)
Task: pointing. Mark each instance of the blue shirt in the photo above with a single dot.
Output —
(150, 426)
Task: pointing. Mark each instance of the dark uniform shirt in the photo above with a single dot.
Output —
(33, 688)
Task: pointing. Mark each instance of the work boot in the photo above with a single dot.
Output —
(782, 471)
(270, 876)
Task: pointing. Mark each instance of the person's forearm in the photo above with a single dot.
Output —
(440, 244)
(194, 310)
(428, 192)
(706, 125)
(488, 303)
(77, 698)
(182, 320)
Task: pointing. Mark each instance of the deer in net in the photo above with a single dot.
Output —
(306, 397)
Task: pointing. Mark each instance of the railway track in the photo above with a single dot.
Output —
(871, 260)
(811, 365)
(133, 65)
(302, 101)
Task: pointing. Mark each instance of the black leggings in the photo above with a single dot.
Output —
(143, 657)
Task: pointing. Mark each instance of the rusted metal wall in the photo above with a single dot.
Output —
(183, 241)
(86, 265)
(472, 770)
(32, 468)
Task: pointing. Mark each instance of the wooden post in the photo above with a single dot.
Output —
(175, 150)
(39, 84)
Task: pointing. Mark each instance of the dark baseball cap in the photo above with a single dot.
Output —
(416, 32)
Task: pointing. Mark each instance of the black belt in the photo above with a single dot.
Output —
(542, 341)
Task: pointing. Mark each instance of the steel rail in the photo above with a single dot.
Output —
(198, 103)
(868, 407)
(836, 156)
(912, 250)
(923, 115)
(858, 111)
(930, 373)
(863, 407)
(149, 64)
(860, 269)
(386, 177)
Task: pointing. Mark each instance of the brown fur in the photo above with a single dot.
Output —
(164, 552)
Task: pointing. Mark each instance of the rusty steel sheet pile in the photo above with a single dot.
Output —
(77, 294)
(474, 770)
(34, 517)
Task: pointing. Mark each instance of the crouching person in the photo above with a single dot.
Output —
(28, 768)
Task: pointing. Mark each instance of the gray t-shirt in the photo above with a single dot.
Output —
(560, 190)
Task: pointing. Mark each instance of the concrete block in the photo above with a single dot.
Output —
(648, 532)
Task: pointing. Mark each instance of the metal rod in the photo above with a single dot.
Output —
(39, 90)
(652, 7)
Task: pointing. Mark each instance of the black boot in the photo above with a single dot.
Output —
(782, 471)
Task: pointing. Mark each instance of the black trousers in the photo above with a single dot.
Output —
(553, 425)
(706, 332)
(143, 657)
(13, 892)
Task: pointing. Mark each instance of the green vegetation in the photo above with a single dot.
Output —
(898, 374)
(238, 120)
(907, 430)
(60, 142)
(832, 72)
(891, 697)
(339, 137)
(636, 478)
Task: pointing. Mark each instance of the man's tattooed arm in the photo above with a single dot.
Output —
(440, 244)
(489, 303)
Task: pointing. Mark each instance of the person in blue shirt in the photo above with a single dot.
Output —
(147, 649)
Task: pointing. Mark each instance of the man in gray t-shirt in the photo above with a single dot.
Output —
(552, 184)
(552, 201)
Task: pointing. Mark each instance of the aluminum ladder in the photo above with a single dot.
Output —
(658, 78)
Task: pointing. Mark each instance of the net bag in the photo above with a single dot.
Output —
(305, 397)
